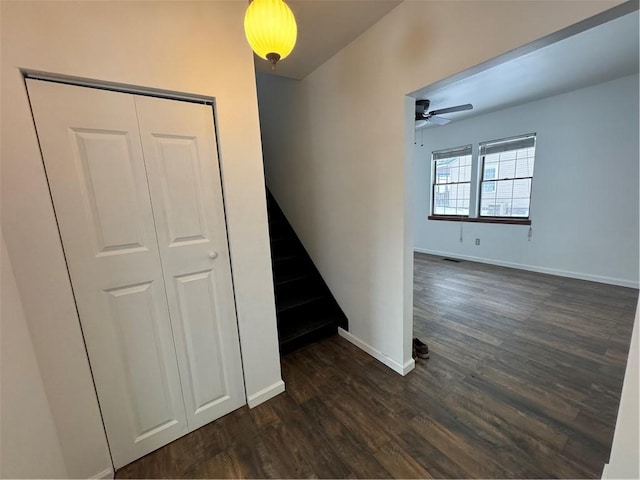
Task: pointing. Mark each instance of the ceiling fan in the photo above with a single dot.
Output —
(423, 116)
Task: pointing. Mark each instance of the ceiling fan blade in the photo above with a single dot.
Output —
(438, 120)
(459, 108)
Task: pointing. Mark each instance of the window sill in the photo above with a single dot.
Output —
(502, 220)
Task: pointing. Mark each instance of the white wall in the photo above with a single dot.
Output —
(29, 446)
(192, 47)
(584, 202)
(335, 157)
(624, 461)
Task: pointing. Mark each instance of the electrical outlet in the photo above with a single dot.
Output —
(477, 241)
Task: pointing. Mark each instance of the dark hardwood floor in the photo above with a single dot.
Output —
(524, 381)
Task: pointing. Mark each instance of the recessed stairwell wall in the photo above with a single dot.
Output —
(337, 147)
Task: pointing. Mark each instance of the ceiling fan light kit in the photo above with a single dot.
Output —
(424, 116)
(271, 29)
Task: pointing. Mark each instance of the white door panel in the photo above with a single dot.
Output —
(200, 322)
(180, 152)
(141, 342)
(181, 190)
(107, 175)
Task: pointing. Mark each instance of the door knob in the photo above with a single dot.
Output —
(213, 255)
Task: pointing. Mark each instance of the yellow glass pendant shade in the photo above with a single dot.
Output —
(271, 29)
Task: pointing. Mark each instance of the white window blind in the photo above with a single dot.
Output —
(451, 183)
(507, 173)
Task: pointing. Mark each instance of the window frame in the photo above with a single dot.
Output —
(481, 184)
(463, 150)
(477, 183)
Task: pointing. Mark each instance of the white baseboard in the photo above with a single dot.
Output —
(378, 355)
(408, 366)
(265, 394)
(533, 268)
(107, 474)
(604, 471)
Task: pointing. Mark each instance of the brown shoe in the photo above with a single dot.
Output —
(420, 349)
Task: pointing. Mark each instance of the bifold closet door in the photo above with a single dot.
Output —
(178, 140)
(156, 328)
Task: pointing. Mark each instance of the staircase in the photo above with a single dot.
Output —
(305, 309)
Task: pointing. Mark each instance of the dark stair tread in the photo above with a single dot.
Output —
(291, 276)
(277, 221)
(318, 311)
(299, 300)
(299, 334)
(279, 236)
(293, 329)
(284, 257)
(286, 247)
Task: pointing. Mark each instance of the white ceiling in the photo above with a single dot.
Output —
(324, 28)
(602, 53)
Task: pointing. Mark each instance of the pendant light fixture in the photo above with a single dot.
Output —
(271, 29)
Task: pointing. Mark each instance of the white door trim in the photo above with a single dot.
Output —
(118, 87)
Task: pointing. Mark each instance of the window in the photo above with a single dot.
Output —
(492, 187)
(451, 188)
(507, 171)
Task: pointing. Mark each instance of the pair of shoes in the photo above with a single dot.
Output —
(420, 349)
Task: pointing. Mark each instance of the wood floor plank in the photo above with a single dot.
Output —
(587, 453)
(400, 464)
(515, 448)
(519, 419)
(227, 464)
(524, 381)
(363, 418)
(361, 461)
(441, 376)
(462, 328)
(449, 440)
(437, 464)
(263, 414)
(304, 455)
